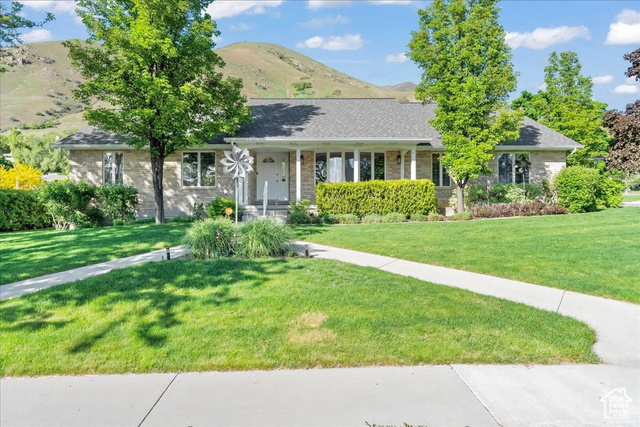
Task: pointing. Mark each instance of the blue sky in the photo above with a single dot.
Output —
(366, 39)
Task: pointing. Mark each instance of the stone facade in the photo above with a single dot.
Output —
(179, 200)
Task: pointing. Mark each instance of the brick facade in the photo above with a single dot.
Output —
(179, 200)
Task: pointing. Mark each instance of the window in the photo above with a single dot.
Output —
(339, 166)
(514, 168)
(198, 169)
(112, 168)
(439, 174)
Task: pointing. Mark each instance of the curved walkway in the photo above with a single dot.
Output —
(448, 395)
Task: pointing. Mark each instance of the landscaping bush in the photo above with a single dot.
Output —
(217, 207)
(316, 219)
(580, 189)
(377, 197)
(372, 219)
(347, 219)
(182, 219)
(22, 210)
(609, 193)
(434, 217)
(211, 238)
(461, 216)
(329, 219)
(119, 202)
(501, 210)
(501, 193)
(71, 204)
(302, 206)
(298, 217)
(394, 217)
(264, 238)
(418, 217)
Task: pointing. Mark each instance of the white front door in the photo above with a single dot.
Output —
(274, 170)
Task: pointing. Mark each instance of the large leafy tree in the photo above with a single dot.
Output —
(566, 106)
(11, 24)
(624, 128)
(151, 64)
(467, 71)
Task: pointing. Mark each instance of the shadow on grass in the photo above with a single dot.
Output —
(49, 251)
(150, 298)
(302, 231)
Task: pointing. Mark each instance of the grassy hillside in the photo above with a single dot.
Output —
(38, 88)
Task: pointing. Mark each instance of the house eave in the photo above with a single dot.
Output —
(536, 148)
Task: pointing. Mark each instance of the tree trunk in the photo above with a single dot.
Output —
(157, 169)
(460, 197)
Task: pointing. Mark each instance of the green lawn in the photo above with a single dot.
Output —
(286, 313)
(29, 254)
(632, 196)
(596, 253)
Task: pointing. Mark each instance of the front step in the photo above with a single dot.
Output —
(276, 213)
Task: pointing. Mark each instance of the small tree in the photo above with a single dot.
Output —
(468, 73)
(20, 177)
(155, 68)
(11, 22)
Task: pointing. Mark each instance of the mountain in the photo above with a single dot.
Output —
(38, 88)
(403, 87)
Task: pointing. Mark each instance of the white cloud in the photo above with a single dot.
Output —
(632, 81)
(327, 21)
(541, 38)
(401, 57)
(241, 27)
(225, 9)
(325, 4)
(626, 89)
(543, 86)
(36, 36)
(55, 7)
(602, 79)
(626, 30)
(347, 42)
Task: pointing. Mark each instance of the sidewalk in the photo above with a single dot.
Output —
(447, 395)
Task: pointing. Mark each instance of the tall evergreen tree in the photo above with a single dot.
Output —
(467, 71)
(151, 64)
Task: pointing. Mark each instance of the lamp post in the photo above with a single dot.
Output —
(237, 163)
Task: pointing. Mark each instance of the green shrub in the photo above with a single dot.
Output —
(394, 217)
(377, 197)
(302, 206)
(217, 207)
(264, 238)
(22, 210)
(418, 217)
(212, 238)
(460, 216)
(501, 193)
(329, 219)
(581, 189)
(119, 202)
(198, 212)
(298, 217)
(71, 204)
(316, 219)
(143, 221)
(435, 217)
(372, 219)
(301, 86)
(347, 219)
(609, 193)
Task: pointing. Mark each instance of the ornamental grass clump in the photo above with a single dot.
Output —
(212, 238)
(372, 219)
(394, 217)
(264, 238)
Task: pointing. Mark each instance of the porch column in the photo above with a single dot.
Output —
(413, 164)
(298, 180)
(402, 154)
(356, 165)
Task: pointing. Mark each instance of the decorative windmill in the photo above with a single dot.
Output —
(237, 163)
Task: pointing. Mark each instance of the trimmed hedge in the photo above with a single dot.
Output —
(22, 210)
(216, 208)
(377, 197)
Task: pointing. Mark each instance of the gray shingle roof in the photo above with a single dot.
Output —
(330, 119)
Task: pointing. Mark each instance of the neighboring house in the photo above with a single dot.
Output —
(298, 143)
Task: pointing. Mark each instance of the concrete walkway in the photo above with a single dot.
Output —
(448, 395)
(16, 289)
